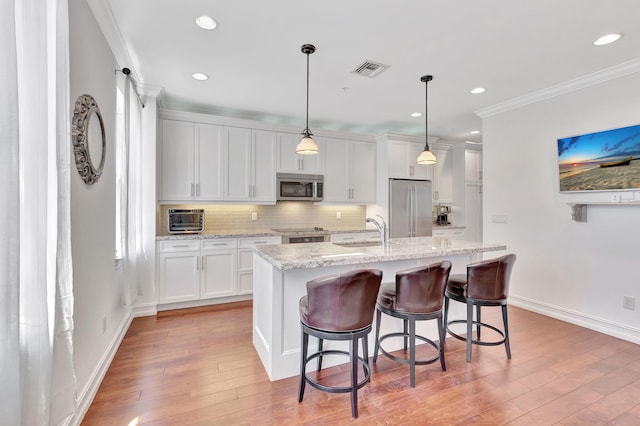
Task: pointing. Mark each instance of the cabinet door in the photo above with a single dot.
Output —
(443, 176)
(289, 161)
(238, 164)
(337, 186)
(178, 276)
(397, 157)
(209, 155)
(473, 164)
(264, 166)
(219, 273)
(363, 172)
(177, 151)
(418, 171)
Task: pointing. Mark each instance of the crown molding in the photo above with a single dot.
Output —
(579, 83)
(406, 138)
(107, 23)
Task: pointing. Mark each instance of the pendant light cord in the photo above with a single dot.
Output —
(426, 79)
(307, 127)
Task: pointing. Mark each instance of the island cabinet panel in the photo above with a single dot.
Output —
(350, 171)
(402, 158)
(290, 162)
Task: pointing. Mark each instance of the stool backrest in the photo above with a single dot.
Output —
(489, 279)
(421, 289)
(343, 302)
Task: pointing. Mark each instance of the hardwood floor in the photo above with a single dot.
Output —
(198, 366)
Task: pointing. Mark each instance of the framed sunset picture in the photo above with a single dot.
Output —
(601, 161)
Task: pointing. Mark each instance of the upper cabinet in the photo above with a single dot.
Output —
(208, 162)
(290, 162)
(473, 165)
(402, 156)
(350, 171)
(191, 161)
(443, 174)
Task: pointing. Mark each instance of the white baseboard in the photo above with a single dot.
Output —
(89, 392)
(611, 328)
(145, 310)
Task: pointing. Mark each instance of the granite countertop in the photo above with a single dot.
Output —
(314, 255)
(257, 233)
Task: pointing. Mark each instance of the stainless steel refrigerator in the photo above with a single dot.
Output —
(409, 208)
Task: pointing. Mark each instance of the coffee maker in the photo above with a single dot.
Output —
(442, 215)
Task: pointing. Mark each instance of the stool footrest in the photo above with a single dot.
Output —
(404, 360)
(477, 342)
(337, 389)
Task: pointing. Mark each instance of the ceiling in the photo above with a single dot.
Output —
(257, 70)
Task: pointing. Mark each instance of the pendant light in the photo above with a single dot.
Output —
(427, 156)
(307, 146)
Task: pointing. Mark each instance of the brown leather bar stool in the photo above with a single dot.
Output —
(339, 307)
(416, 295)
(486, 284)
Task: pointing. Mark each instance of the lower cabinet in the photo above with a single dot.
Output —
(355, 237)
(452, 234)
(195, 269)
(245, 260)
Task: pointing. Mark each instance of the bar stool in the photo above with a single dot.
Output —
(416, 295)
(486, 284)
(339, 307)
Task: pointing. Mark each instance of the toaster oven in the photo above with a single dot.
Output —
(185, 221)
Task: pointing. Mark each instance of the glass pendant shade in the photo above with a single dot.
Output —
(307, 146)
(426, 157)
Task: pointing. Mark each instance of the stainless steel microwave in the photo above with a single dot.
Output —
(299, 187)
(185, 221)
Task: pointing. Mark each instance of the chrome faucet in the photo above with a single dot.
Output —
(382, 228)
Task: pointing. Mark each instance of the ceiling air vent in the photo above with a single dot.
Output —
(370, 69)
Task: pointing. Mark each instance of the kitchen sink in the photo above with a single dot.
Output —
(358, 244)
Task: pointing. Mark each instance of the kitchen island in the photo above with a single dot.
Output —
(282, 271)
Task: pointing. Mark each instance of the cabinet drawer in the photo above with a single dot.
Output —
(219, 244)
(440, 233)
(178, 245)
(250, 242)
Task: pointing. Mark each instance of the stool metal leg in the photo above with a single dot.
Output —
(412, 351)
(404, 330)
(478, 326)
(445, 323)
(469, 329)
(303, 365)
(441, 335)
(320, 345)
(376, 346)
(365, 355)
(506, 331)
(353, 348)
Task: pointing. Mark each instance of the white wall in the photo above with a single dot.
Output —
(574, 271)
(96, 286)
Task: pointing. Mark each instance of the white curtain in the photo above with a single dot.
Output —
(130, 183)
(37, 378)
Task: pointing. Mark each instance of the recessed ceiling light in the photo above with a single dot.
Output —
(416, 114)
(474, 132)
(199, 76)
(477, 90)
(606, 39)
(206, 22)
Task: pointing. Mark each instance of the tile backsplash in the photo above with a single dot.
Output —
(288, 214)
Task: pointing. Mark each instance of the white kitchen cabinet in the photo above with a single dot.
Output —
(472, 165)
(245, 260)
(452, 234)
(350, 171)
(178, 270)
(218, 276)
(354, 237)
(402, 164)
(290, 162)
(443, 176)
(191, 161)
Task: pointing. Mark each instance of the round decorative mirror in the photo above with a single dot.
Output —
(87, 134)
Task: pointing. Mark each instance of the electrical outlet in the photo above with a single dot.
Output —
(629, 302)
(499, 218)
(254, 215)
(104, 324)
(615, 198)
(338, 215)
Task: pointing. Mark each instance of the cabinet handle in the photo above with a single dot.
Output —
(436, 195)
(198, 263)
(259, 242)
(218, 244)
(192, 191)
(197, 189)
(180, 245)
(203, 263)
(347, 238)
(254, 191)
(410, 170)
